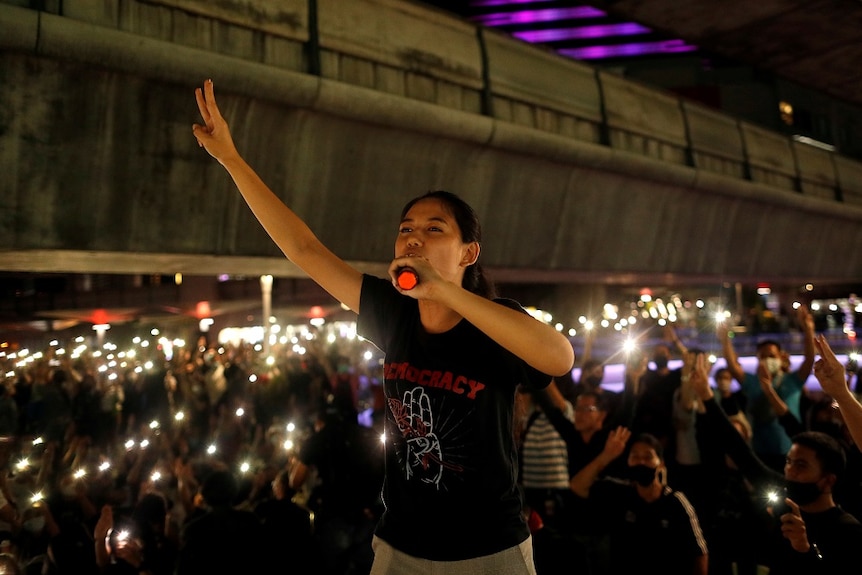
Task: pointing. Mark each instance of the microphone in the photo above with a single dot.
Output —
(407, 278)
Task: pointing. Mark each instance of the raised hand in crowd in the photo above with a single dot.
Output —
(698, 378)
(636, 367)
(833, 379)
(615, 445)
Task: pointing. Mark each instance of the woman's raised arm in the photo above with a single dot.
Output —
(295, 239)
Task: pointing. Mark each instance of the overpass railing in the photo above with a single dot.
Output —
(410, 50)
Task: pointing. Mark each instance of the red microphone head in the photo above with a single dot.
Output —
(407, 279)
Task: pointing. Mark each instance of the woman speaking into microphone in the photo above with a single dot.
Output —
(454, 356)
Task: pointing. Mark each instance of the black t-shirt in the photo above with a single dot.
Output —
(664, 534)
(451, 462)
(836, 535)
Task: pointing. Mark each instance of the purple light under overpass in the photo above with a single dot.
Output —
(633, 49)
(530, 15)
(582, 32)
(534, 16)
(481, 3)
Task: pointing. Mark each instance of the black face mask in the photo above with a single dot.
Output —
(642, 474)
(802, 493)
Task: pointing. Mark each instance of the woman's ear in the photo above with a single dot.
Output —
(471, 254)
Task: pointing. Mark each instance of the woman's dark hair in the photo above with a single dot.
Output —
(475, 279)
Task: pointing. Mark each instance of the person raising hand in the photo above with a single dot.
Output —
(455, 354)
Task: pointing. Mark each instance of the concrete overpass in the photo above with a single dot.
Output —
(348, 109)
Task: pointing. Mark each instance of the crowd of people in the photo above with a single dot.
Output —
(111, 467)
(691, 477)
(282, 461)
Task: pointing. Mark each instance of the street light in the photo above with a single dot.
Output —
(266, 294)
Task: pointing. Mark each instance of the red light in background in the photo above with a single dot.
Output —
(315, 311)
(202, 310)
(99, 317)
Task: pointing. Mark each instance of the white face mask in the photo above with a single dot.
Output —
(773, 364)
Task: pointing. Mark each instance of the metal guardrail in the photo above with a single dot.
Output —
(406, 49)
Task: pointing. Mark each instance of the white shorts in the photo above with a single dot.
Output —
(517, 560)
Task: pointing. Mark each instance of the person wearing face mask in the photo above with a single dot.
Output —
(648, 523)
(770, 440)
(732, 402)
(585, 439)
(810, 533)
(654, 403)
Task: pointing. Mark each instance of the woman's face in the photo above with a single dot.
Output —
(430, 231)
